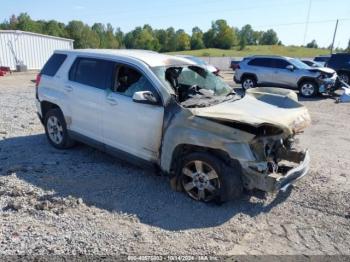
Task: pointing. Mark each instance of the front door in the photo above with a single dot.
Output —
(129, 126)
(282, 76)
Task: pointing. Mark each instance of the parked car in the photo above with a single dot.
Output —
(167, 112)
(311, 63)
(322, 59)
(202, 63)
(285, 72)
(341, 64)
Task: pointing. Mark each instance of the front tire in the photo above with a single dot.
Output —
(56, 129)
(308, 89)
(205, 177)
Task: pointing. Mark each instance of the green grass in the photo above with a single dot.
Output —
(292, 51)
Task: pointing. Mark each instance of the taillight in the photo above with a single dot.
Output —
(238, 67)
(37, 82)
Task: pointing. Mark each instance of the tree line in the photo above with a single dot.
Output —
(220, 35)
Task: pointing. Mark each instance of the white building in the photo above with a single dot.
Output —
(30, 49)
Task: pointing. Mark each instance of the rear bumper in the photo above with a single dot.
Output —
(256, 177)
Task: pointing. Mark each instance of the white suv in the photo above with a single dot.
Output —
(176, 116)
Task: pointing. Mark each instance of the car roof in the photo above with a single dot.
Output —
(151, 58)
(267, 56)
(341, 54)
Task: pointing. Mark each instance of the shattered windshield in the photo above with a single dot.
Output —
(195, 86)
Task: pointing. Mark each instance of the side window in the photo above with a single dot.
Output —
(53, 64)
(279, 63)
(264, 62)
(92, 72)
(254, 62)
(128, 80)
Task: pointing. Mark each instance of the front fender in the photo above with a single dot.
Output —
(197, 131)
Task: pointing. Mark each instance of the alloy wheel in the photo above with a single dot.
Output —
(248, 83)
(200, 180)
(307, 89)
(55, 130)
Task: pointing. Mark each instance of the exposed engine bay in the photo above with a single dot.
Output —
(196, 87)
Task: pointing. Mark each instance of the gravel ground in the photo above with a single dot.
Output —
(82, 201)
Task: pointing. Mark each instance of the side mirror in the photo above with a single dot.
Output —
(145, 97)
(290, 67)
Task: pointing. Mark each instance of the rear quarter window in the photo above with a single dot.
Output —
(53, 64)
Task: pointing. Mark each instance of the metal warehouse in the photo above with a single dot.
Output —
(29, 49)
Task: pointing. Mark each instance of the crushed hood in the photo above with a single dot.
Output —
(273, 106)
(326, 70)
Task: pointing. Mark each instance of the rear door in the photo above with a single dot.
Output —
(262, 68)
(88, 80)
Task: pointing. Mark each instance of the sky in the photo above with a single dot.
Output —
(287, 17)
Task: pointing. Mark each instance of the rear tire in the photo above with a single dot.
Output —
(205, 178)
(56, 129)
(248, 82)
(308, 89)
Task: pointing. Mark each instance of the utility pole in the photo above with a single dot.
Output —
(307, 21)
(335, 32)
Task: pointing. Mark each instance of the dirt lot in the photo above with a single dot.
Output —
(83, 201)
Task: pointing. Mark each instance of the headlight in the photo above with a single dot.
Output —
(322, 76)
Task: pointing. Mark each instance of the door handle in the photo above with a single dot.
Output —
(112, 101)
(68, 88)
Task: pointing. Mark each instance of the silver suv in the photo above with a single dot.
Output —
(284, 72)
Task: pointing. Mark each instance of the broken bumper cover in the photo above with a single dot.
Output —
(326, 85)
(294, 174)
(281, 180)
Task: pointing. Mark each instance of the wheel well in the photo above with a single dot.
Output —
(307, 79)
(47, 106)
(246, 75)
(184, 149)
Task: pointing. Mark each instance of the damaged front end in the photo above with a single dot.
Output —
(274, 118)
(278, 164)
